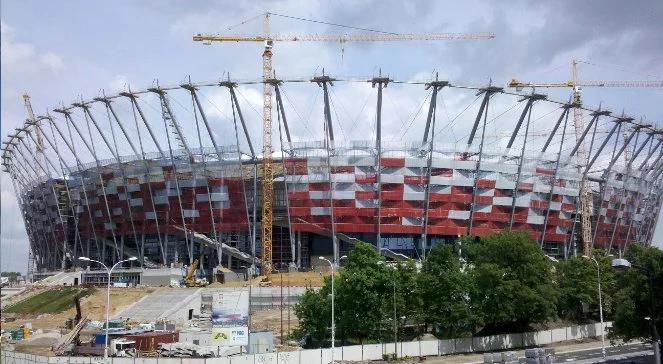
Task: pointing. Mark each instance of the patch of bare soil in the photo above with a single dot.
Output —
(93, 307)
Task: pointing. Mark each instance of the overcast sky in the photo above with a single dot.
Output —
(60, 50)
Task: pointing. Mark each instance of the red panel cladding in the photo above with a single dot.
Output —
(568, 207)
(342, 169)
(392, 195)
(392, 187)
(545, 171)
(296, 166)
(503, 193)
(442, 172)
(298, 195)
(365, 178)
(536, 204)
(436, 213)
(526, 187)
(560, 238)
(365, 195)
(393, 162)
(485, 183)
(318, 186)
(414, 180)
(484, 200)
(461, 198)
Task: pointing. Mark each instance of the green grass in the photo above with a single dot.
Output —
(52, 301)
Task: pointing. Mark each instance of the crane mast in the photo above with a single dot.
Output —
(267, 162)
(586, 203)
(269, 39)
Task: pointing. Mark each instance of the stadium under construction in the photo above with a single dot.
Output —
(140, 174)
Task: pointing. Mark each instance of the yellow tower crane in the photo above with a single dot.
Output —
(576, 85)
(269, 39)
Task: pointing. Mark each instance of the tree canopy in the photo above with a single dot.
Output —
(500, 283)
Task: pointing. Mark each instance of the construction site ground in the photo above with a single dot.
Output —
(292, 279)
(93, 307)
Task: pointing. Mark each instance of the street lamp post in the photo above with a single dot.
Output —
(333, 325)
(623, 264)
(86, 259)
(395, 320)
(248, 324)
(598, 273)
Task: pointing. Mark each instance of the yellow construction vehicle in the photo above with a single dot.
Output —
(190, 280)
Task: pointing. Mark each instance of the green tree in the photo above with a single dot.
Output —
(577, 282)
(314, 313)
(632, 300)
(443, 289)
(513, 282)
(362, 288)
(12, 276)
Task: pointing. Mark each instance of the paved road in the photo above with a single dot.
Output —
(637, 353)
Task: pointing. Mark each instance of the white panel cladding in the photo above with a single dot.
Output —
(413, 196)
(413, 188)
(483, 208)
(122, 196)
(136, 202)
(415, 162)
(440, 180)
(363, 161)
(535, 219)
(362, 204)
(502, 201)
(462, 181)
(486, 192)
(220, 196)
(541, 187)
(343, 195)
(191, 213)
(414, 171)
(320, 211)
(442, 163)
(523, 201)
(565, 191)
(505, 184)
(160, 200)
(412, 221)
(555, 206)
(459, 215)
(316, 162)
(392, 178)
(151, 215)
(133, 187)
(339, 161)
(319, 195)
(365, 187)
(343, 177)
(465, 165)
(109, 225)
(444, 190)
(117, 211)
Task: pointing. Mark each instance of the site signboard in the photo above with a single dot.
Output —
(230, 318)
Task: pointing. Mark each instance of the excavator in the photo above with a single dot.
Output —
(190, 280)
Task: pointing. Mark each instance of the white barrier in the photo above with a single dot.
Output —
(350, 353)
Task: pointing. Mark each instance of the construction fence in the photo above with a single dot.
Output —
(350, 353)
